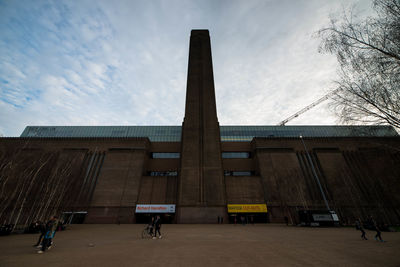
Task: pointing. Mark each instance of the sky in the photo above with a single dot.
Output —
(120, 62)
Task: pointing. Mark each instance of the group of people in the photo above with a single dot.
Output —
(47, 233)
(48, 230)
(372, 225)
(6, 229)
(243, 220)
(154, 226)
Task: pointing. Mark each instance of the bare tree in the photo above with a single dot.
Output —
(34, 186)
(368, 52)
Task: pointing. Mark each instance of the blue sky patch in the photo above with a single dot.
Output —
(125, 62)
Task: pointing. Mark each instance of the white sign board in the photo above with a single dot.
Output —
(335, 217)
(142, 208)
(322, 217)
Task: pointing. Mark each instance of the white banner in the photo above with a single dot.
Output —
(155, 208)
(322, 217)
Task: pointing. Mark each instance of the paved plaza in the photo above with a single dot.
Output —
(204, 245)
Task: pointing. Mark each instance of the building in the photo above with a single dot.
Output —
(200, 171)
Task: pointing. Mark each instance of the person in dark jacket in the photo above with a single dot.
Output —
(42, 230)
(157, 226)
(359, 227)
(286, 220)
(378, 232)
(50, 231)
(150, 226)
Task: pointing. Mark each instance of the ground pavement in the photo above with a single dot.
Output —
(204, 245)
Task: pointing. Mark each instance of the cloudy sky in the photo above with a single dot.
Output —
(125, 62)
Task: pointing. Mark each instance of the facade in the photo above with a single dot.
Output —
(199, 172)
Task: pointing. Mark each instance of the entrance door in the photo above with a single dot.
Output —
(145, 218)
(69, 217)
(248, 218)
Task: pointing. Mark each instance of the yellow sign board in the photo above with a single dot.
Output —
(249, 208)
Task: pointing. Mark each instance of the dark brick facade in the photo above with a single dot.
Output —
(108, 177)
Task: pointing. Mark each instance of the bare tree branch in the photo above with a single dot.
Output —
(368, 53)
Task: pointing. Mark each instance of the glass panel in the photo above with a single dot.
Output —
(235, 155)
(167, 173)
(228, 133)
(239, 173)
(167, 155)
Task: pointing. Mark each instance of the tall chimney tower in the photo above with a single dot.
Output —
(201, 193)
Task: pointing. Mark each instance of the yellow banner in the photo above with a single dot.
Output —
(249, 208)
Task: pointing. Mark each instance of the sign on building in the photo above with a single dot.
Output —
(248, 208)
(144, 208)
(322, 217)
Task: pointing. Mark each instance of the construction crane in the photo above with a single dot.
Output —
(307, 108)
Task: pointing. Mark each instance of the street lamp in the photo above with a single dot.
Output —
(315, 174)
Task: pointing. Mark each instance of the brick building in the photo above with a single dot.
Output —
(200, 171)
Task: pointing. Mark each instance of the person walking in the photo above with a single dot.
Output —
(50, 231)
(286, 220)
(157, 226)
(42, 230)
(378, 236)
(360, 227)
(150, 226)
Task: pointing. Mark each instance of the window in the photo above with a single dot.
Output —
(165, 155)
(235, 155)
(239, 173)
(167, 173)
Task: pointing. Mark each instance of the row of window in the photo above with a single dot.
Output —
(239, 173)
(165, 155)
(236, 155)
(225, 155)
(167, 173)
(226, 173)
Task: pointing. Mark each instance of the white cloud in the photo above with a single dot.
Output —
(124, 62)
